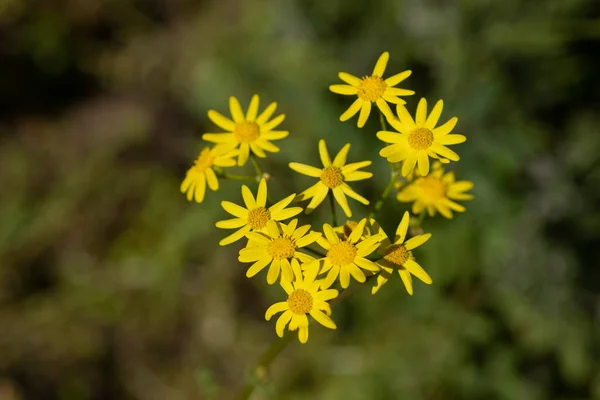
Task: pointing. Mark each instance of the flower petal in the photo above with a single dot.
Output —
(274, 123)
(396, 79)
(221, 121)
(276, 308)
(252, 108)
(365, 111)
(402, 228)
(435, 114)
(379, 69)
(352, 110)
(261, 196)
(358, 231)
(349, 79)
(414, 268)
(421, 116)
(324, 154)
(234, 209)
(343, 89)
(340, 158)
(235, 236)
(340, 197)
(323, 319)
(282, 322)
(306, 169)
(236, 110)
(416, 241)
(266, 114)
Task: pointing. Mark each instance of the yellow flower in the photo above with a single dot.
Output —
(398, 256)
(194, 184)
(344, 231)
(419, 139)
(278, 247)
(255, 216)
(435, 192)
(372, 89)
(305, 296)
(334, 176)
(347, 257)
(249, 132)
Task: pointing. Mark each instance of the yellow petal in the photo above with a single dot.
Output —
(435, 114)
(244, 154)
(396, 79)
(340, 197)
(234, 209)
(379, 69)
(340, 158)
(423, 162)
(421, 116)
(414, 268)
(211, 178)
(324, 154)
(236, 110)
(416, 241)
(252, 108)
(343, 89)
(407, 280)
(274, 123)
(276, 308)
(446, 128)
(234, 237)
(248, 198)
(365, 111)
(282, 322)
(221, 121)
(452, 139)
(352, 110)
(265, 115)
(261, 196)
(306, 169)
(351, 193)
(358, 231)
(323, 319)
(402, 229)
(349, 79)
(233, 223)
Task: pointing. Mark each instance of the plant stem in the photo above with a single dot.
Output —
(388, 188)
(225, 175)
(332, 204)
(315, 252)
(382, 121)
(259, 173)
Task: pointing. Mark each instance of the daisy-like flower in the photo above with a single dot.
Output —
(194, 184)
(398, 256)
(347, 257)
(250, 132)
(334, 176)
(344, 231)
(279, 248)
(419, 139)
(372, 89)
(306, 296)
(255, 216)
(436, 192)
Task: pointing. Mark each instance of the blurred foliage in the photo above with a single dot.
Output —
(112, 286)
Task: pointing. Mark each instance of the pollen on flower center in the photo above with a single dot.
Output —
(332, 176)
(246, 132)
(420, 138)
(397, 255)
(433, 188)
(300, 302)
(371, 88)
(205, 160)
(258, 217)
(342, 253)
(282, 247)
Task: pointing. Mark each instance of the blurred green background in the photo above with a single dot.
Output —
(112, 285)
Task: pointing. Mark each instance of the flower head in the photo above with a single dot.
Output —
(372, 89)
(306, 296)
(250, 132)
(397, 255)
(279, 248)
(256, 215)
(347, 257)
(334, 176)
(344, 231)
(419, 139)
(194, 184)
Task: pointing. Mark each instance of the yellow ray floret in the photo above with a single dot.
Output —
(436, 192)
(194, 184)
(255, 215)
(278, 247)
(398, 256)
(347, 258)
(306, 296)
(334, 176)
(251, 132)
(419, 139)
(372, 89)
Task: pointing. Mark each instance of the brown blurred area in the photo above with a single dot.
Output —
(113, 286)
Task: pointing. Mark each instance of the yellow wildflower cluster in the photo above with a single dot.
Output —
(313, 265)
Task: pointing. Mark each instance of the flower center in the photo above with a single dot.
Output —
(397, 255)
(258, 217)
(300, 302)
(433, 189)
(205, 160)
(342, 253)
(420, 138)
(332, 176)
(246, 132)
(282, 247)
(371, 88)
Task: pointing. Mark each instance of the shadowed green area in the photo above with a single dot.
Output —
(113, 286)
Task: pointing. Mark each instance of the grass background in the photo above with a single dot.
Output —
(112, 286)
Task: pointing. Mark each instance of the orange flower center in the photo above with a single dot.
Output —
(300, 302)
(342, 253)
(246, 132)
(420, 139)
(397, 255)
(282, 247)
(258, 217)
(332, 176)
(371, 88)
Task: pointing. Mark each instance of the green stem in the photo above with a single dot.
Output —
(382, 121)
(259, 173)
(225, 175)
(390, 185)
(332, 204)
(315, 252)
(263, 364)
